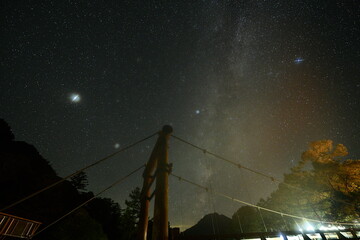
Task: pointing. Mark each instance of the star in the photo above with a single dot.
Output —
(254, 89)
(299, 60)
(74, 97)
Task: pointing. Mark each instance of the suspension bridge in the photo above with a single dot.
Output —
(157, 170)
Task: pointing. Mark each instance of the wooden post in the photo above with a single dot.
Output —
(160, 229)
(322, 235)
(148, 176)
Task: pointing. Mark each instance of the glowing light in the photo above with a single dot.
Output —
(308, 226)
(299, 60)
(75, 97)
(197, 111)
(331, 227)
(117, 145)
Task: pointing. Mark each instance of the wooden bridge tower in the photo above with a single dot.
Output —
(157, 168)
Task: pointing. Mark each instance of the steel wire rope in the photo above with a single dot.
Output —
(286, 226)
(211, 197)
(181, 209)
(308, 212)
(246, 192)
(242, 179)
(259, 207)
(92, 198)
(237, 216)
(240, 166)
(297, 224)
(77, 172)
(212, 215)
(304, 220)
(262, 219)
(239, 222)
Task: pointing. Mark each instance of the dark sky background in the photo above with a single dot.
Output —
(254, 81)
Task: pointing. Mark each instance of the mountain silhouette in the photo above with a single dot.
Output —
(211, 224)
(24, 171)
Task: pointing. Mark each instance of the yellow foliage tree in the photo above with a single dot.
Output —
(323, 185)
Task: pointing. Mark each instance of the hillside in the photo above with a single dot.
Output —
(210, 224)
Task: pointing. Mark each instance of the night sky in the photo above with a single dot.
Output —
(254, 81)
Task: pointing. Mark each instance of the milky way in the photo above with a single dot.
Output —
(254, 81)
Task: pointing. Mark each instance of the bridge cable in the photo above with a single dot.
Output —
(181, 209)
(259, 207)
(262, 219)
(305, 220)
(297, 223)
(308, 212)
(92, 198)
(247, 192)
(212, 215)
(237, 216)
(211, 197)
(286, 226)
(240, 166)
(76, 173)
(239, 222)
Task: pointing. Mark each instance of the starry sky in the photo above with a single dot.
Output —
(254, 81)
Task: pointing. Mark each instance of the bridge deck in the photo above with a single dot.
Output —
(346, 234)
(13, 226)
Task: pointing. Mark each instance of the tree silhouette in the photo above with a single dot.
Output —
(80, 181)
(24, 171)
(6, 135)
(327, 187)
(109, 215)
(131, 214)
(247, 219)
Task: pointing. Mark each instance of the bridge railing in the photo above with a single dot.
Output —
(346, 234)
(13, 226)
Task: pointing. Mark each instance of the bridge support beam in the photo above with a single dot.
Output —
(158, 160)
(160, 229)
(149, 177)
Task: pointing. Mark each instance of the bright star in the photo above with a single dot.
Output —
(299, 60)
(75, 97)
(117, 145)
(197, 111)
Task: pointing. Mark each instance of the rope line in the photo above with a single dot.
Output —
(286, 226)
(211, 198)
(240, 166)
(210, 195)
(76, 173)
(262, 220)
(239, 222)
(89, 200)
(259, 207)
